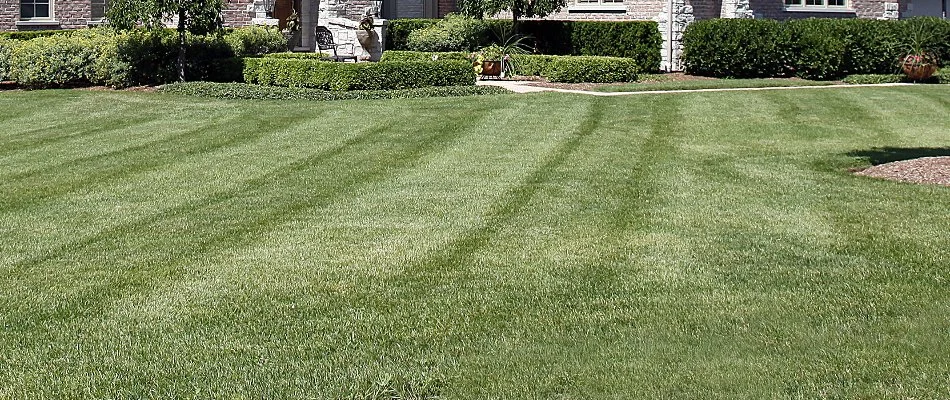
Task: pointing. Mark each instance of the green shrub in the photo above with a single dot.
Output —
(593, 69)
(152, 56)
(257, 92)
(810, 48)
(532, 64)
(255, 41)
(400, 55)
(871, 46)
(398, 30)
(82, 58)
(452, 33)
(299, 56)
(639, 40)
(871, 79)
(6, 50)
(28, 35)
(738, 48)
(357, 76)
(817, 48)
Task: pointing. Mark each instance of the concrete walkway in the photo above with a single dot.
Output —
(525, 87)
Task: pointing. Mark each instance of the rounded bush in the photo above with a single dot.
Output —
(255, 41)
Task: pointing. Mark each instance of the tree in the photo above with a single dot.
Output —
(198, 17)
(519, 8)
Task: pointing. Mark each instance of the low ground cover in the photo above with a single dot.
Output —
(702, 245)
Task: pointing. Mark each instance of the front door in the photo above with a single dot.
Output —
(927, 8)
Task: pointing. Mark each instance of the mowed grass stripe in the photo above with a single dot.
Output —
(189, 232)
(689, 246)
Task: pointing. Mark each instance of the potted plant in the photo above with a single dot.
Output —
(919, 63)
(496, 60)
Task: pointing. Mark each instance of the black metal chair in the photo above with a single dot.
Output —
(325, 42)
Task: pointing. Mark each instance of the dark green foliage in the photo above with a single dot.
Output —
(256, 40)
(6, 50)
(639, 40)
(398, 30)
(810, 48)
(817, 47)
(83, 58)
(102, 56)
(452, 33)
(591, 69)
(738, 48)
(299, 56)
(870, 79)
(357, 76)
(399, 55)
(152, 56)
(258, 92)
(27, 35)
(532, 64)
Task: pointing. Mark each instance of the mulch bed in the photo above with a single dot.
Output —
(929, 170)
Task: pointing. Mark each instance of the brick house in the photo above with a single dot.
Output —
(341, 16)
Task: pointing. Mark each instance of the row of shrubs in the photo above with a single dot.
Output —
(566, 69)
(809, 48)
(101, 56)
(317, 74)
(639, 40)
(258, 92)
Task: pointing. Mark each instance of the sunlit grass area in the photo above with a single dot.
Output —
(703, 245)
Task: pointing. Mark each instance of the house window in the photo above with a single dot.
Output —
(35, 9)
(99, 8)
(815, 5)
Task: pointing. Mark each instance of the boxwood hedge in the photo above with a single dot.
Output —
(357, 76)
(258, 92)
(809, 48)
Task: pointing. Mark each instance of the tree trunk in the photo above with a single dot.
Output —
(515, 16)
(181, 44)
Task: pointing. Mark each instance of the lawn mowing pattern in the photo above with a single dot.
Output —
(704, 245)
(709, 84)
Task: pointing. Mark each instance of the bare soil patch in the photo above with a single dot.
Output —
(927, 170)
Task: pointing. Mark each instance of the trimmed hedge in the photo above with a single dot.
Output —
(255, 41)
(357, 76)
(639, 40)
(299, 56)
(400, 55)
(590, 69)
(811, 48)
(257, 92)
(28, 35)
(101, 56)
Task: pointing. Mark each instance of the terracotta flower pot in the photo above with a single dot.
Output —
(919, 67)
(491, 68)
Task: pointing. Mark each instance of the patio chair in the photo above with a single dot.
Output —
(325, 42)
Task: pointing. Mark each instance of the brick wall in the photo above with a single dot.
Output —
(9, 13)
(446, 6)
(236, 13)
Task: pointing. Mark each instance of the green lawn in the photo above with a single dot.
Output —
(660, 83)
(696, 246)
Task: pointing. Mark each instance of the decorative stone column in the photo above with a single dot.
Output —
(309, 12)
(672, 22)
(891, 11)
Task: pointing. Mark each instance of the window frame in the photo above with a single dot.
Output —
(803, 6)
(105, 10)
(51, 10)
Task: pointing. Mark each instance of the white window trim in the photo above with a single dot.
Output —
(50, 20)
(595, 6)
(824, 8)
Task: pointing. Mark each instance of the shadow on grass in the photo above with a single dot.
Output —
(883, 155)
